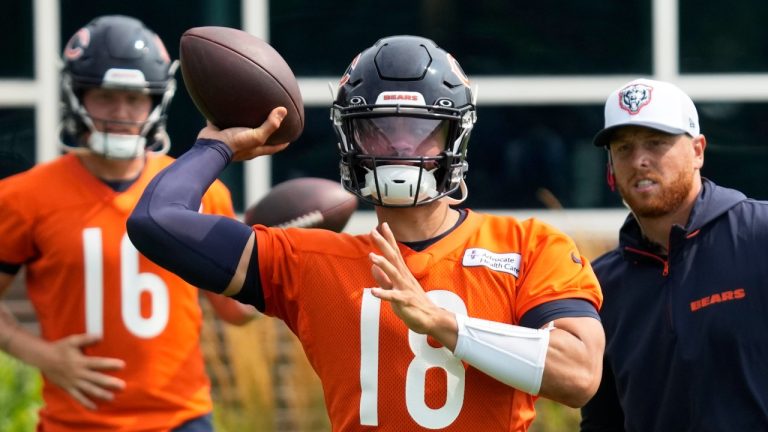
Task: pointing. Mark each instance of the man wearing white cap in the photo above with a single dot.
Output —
(686, 290)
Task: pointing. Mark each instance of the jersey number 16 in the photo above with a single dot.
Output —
(132, 285)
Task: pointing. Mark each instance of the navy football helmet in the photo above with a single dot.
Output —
(403, 114)
(116, 52)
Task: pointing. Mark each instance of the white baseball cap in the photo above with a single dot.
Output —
(654, 104)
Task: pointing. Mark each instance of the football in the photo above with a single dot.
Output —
(306, 202)
(237, 79)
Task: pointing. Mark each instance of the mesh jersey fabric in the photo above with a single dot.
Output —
(378, 375)
(83, 274)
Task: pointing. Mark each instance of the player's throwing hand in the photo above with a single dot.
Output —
(247, 143)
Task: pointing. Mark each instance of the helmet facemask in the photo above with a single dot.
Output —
(404, 158)
(401, 151)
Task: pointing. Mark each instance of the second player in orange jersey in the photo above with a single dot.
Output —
(119, 349)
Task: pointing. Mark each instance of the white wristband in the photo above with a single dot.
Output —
(511, 354)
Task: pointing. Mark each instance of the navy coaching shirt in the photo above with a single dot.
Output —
(687, 333)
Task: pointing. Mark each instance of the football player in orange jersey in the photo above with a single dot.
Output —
(441, 318)
(119, 344)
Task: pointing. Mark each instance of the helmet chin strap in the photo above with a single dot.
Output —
(117, 146)
(464, 195)
(114, 150)
(397, 184)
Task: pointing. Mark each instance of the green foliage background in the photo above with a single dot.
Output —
(20, 387)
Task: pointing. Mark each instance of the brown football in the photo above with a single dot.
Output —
(305, 202)
(237, 79)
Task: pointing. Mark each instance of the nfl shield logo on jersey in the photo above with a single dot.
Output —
(634, 97)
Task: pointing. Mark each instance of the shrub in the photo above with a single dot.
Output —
(20, 398)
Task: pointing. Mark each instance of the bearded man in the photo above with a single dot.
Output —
(686, 290)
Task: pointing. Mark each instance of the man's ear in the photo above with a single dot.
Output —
(609, 176)
(699, 144)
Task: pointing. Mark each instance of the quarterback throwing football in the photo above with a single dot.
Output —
(439, 319)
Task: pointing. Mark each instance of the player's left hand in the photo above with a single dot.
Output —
(408, 299)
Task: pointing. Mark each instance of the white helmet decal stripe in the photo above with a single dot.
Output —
(124, 78)
(400, 98)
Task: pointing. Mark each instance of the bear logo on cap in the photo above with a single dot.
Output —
(634, 97)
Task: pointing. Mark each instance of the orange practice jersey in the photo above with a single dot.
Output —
(378, 375)
(84, 276)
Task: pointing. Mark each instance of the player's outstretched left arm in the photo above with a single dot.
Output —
(208, 251)
(562, 363)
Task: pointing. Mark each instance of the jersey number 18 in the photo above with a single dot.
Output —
(425, 358)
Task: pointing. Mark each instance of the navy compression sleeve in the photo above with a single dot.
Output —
(167, 228)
